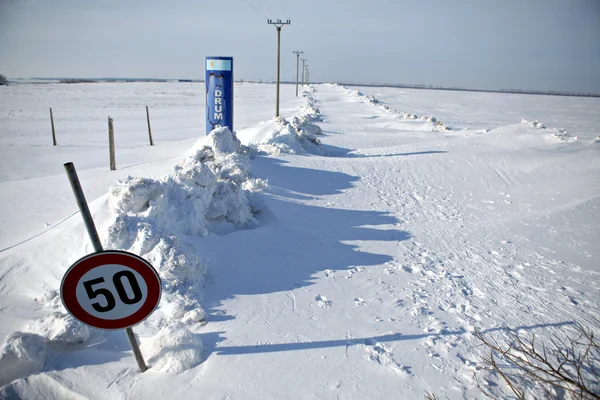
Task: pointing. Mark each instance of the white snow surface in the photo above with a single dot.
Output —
(346, 249)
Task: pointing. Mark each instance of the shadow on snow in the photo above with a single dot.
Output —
(294, 241)
(213, 338)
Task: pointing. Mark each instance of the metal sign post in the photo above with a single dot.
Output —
(109, 289)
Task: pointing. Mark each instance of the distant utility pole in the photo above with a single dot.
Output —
(306, 74)
(278, 24)
(303, 61)
(297, 53)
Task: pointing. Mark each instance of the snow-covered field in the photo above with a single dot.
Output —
(349, 250)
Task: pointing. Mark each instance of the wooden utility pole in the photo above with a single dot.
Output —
(305, 77)
(278, 24)
(303, 61)
(297, 53)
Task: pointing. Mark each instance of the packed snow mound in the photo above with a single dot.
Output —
(21, 355)
(289, 138)
(296, 136)
(174, 349)
(436, 126)
(152, 217)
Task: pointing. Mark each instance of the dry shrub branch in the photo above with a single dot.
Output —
(567, 368)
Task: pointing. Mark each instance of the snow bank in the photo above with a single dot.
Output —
(437, 126)
(153, 217)
(296, 136)
(174, 349)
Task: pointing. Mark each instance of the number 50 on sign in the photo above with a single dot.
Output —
(111, 289)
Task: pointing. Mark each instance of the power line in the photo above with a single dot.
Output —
(255, 9)
(267, 8)
(279, 7)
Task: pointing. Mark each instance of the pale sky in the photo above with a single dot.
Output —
(483, 44)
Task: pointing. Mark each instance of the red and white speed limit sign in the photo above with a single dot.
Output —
(111, 289)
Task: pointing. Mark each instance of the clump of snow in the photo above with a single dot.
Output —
(564, 136)
(61, 329)
(193, 316)
(310, 89)
(534, 124)
(50, 299)
(372, 99)
(21, 355)
(256, 185)
(134, 194)
(223, 141)
(173, 349)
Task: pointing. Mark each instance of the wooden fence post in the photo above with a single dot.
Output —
(149, 130)
(111, 144)
(53, 131)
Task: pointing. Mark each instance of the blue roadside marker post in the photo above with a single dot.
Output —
(219, 93)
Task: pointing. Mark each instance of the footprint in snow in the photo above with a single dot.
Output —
(353, 271)
(378, 353)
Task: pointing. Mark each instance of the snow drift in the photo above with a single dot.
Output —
(296, 136)
(153, 218)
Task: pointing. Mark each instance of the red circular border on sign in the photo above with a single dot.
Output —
(91, 261)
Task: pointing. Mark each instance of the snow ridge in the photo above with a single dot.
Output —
(437, 126)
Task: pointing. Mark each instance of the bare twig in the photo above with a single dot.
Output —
(571, 366)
